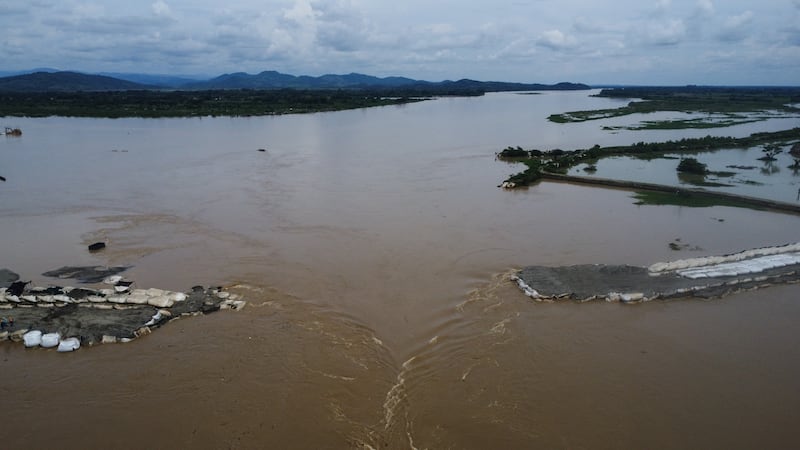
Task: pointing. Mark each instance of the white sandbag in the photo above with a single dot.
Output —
(50, 340)
(138, 298)
(32, 338)
(153, 321)
(178, 296)
(69, 344)
(163, 301)
(113, 279)
(153, 292)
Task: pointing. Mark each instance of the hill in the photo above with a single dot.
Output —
(276, 80)
(62, 81)
(65, 82)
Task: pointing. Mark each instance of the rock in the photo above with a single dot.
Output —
(16, 288)
(145, 330)
(97, 246)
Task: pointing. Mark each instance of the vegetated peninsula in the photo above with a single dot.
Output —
(540, 163)
(44, 94)
(718, 106)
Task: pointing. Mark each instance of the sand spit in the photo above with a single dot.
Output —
(66, 318)
(707, 277)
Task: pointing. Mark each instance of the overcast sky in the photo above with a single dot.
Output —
(619, 41)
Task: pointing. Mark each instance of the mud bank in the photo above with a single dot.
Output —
(706, 277)
(66, 317)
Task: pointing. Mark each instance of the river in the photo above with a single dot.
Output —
(374, 249)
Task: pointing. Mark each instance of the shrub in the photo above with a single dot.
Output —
(691, 165)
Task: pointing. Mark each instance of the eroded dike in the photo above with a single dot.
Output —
(706, 277)
(66, 317)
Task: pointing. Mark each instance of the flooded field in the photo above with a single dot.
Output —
(737, 171)
(375, 249)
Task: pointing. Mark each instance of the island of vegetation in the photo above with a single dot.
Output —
(719, 106)
(554, 164)
(114, 104)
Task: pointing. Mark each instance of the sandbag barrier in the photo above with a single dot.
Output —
(66, 318)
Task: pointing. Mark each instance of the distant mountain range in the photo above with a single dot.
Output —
(50, 80)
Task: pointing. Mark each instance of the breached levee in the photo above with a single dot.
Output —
(67, 318)
(706, 277)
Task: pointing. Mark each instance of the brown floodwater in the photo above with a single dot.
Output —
(375, 250)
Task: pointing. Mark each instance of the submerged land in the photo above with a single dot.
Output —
(716, 106)
(555, 164)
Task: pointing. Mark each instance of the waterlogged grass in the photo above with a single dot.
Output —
(686, 199)
(560, 161)
(681, 124)
(730, 102)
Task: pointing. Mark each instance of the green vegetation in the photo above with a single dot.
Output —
(684, 199)
(727, 101)
(560, 161)
(770, 152)
(691, 165)
(699, 123)
(529, 176)
(192, 103)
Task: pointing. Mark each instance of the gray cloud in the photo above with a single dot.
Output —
(737, 28)
(500, 39)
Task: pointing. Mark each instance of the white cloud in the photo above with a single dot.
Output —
(669, 32)
(160, 8)
(556, 40)
(737, 28)
(705, 7)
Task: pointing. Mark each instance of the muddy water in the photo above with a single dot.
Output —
(374, 249)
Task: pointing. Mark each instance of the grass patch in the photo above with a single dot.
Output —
(686, 199)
